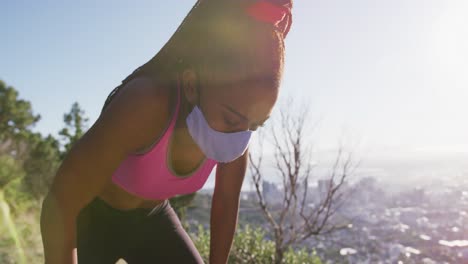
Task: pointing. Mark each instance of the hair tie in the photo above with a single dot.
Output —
(277, 15)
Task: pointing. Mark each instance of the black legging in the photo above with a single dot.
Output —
(106, 234)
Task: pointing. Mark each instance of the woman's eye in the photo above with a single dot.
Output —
(230, 122)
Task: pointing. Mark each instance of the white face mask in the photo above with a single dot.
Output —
(222, 147)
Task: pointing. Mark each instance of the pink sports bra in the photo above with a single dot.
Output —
(150, 175)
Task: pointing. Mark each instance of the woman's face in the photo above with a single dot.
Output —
(237, 108)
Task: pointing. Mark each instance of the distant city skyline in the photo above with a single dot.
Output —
(389, 76)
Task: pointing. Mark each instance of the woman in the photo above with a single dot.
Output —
(160, 134)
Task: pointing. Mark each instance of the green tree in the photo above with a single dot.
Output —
(75, 127)
(9, 170)
(16, 120)
(27, 163)
(41, 164)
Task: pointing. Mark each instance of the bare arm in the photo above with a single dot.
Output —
(225, 207)
(132, 120)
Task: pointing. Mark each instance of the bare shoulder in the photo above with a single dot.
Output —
(144, 91)
(145, 105)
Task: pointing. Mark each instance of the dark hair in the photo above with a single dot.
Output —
(218, 38)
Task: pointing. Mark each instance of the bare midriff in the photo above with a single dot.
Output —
(120, 199)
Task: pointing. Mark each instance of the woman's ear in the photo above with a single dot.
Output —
(190, 86)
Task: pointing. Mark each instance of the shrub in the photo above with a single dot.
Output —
(251, 247)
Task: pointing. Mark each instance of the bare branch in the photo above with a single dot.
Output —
(296, 219)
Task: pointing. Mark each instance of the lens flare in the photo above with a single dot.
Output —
(7, 221)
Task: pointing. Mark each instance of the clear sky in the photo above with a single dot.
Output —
(392, 75)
